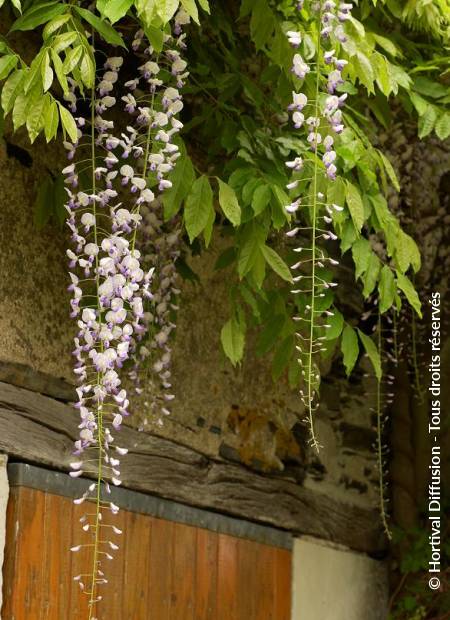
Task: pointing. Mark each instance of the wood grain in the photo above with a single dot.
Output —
(182, 565)
(163, 570)
(227, 578)
(206, 576)
(160, 581)
(41, 430)
(282, 567)
(137, 542)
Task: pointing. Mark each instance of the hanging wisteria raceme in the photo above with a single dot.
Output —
(319, 119)
(153, 102)
(113, 174)
(160, 246)
(108, 288)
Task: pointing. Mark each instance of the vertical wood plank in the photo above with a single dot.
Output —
(162, 571)
(183, 572)
(160, 577)
(248, 588)
(265, 596)
(227, 583)
(136, 538)
(12, 554)
(283, 584)
(56, 557)
(112, 593)
(28, 581)
(81, 561)
(206, 575)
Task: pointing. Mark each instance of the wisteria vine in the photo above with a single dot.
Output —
(324, 118)
(114, 176)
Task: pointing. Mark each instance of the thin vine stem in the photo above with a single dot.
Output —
(99, 416)
(379, 409)
(310, 390)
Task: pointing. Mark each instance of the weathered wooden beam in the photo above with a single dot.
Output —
(41, 430)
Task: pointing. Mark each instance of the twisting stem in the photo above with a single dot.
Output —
(380, 442)
(313, 248)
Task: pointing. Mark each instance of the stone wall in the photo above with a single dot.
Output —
(214, 402)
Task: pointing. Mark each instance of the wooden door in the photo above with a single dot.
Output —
(164, 570)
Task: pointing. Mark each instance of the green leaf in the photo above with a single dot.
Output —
(390, 171)
(427, 121)
(382, 76)
(229, 203)
(336, 195)
(182, 178)
(63, 41)
(387, 45)
(269, 335)
(47, 73)
(262, 24)
(364, 70)
(166, 9)
(419, 103)
(232, 337)
(54, 25)
(251, 238)
(68, 122)
(430, 88)
(155, 36)
(371, 275)
(37, 15)
(399, 76)
(87, 70)
(406, 252)
(205, 5)
(191, 9)
(116, 9)
(246, 7)
(108, 33)
(20, 109)
(35, 116)
(386, 288)
(355, 205)
(198, 208)
(442, 127)
(261, 198)
(12, 87)
(33, 74)
(72, 59)
(349, 348)
(405, 285)
(57, 63)
(282, 357)
(361, 251)
(51, 121)
(336, 321)
(7, 64)
(276, 262)
(373, 353)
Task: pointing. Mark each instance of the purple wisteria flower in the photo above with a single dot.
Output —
(319, 120)
(109, 287)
